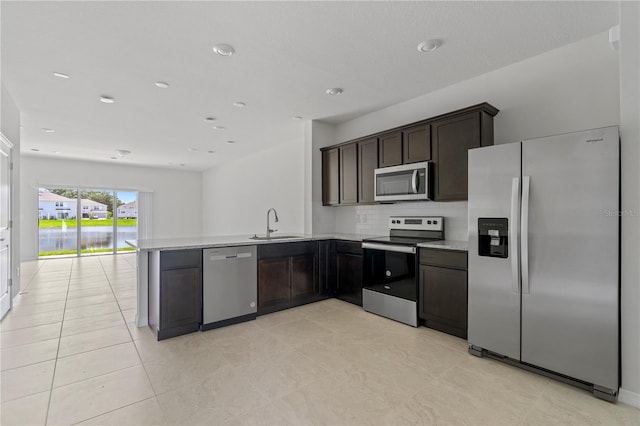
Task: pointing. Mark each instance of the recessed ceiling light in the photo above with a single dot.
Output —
(57, 152)
(35, 149)
(297, 117)
(47, 130)
(61, 75)
(211, 151)
(218, 127)
(239, 104)
(335, 91)
(192, 149)
(162, 84)
(209, 119)
(231, 141)
(429, 45)
(122, 152)
(224, 49)
(107, 99)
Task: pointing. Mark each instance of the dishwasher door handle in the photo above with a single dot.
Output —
(216, 257)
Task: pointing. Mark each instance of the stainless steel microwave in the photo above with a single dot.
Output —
(409, 182)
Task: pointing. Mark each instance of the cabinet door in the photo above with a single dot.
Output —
(422, 292)
(443, 298)
(303, 277)
(274, 277)
(416, 144)
(330, 177)
(452, 138)
(367, 164)
(180, 298)
(349, 174)
(349, 278)
(327, 266)
(390, 149)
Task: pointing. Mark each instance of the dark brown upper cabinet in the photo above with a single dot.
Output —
(330, 177)
(416, 144)
(349, 173)
(348, 168)
(390, 149)
(367, 164)
(451, 139)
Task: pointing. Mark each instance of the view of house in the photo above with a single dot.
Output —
(54, 206)
(128, 210)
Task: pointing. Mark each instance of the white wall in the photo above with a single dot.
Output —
(10, 127)
(177, 203)
(237, 195)
(630, 150)
(571, 88)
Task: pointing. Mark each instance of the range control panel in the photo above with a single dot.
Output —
(418, 223)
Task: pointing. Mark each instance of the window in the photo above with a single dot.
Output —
(97, 231)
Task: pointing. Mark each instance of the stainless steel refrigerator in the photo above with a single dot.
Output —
(544, 256)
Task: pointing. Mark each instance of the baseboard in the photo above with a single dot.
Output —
(629, 398)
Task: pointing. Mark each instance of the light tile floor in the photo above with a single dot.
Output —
(71, 354)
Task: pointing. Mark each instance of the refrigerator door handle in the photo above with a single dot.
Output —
(513, 235)
(524, 235)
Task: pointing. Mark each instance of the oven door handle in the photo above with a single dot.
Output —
(389, 247)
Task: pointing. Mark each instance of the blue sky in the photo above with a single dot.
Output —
(127, 197)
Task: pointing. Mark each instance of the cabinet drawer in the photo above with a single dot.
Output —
(351, 247)
(445, 258)
(176, 259)
(287, 249)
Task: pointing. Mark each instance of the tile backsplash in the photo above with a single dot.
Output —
(373, 219)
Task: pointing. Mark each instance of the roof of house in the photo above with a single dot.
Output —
(50, 196)
(129, 205)
(88, 202)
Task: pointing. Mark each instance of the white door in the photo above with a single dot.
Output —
(5, 226)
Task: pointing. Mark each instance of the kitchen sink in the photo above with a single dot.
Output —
(273, 237)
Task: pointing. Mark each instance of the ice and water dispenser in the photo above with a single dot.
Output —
(493, 240)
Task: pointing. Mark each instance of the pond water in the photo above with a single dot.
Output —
(93, 237)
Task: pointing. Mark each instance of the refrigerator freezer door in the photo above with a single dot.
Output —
(570, 314)
(494, 297)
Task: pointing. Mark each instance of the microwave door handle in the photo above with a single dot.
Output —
(414, 181)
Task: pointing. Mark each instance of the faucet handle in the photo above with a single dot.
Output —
(273, 230)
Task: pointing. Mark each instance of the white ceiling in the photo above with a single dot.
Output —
(287, 55)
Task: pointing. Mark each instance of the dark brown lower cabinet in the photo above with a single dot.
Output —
(287, 275)
(304, 282)
(442, 300)
(175, 295)
(274, 276)
(349, 272)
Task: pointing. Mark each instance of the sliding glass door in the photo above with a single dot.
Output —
(76, 222)
(57, 222)
(127, 223)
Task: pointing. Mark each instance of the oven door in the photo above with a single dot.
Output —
(390, 269)
(406, 182)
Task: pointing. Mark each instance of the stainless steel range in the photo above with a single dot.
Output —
(390, 285)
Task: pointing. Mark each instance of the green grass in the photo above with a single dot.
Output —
(71, 223)
(74, 252)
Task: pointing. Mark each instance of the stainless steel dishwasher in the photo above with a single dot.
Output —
(229, 286)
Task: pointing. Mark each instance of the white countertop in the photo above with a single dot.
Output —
(446, 245)
(232, 240)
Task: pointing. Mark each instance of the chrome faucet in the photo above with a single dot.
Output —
(269, 230)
